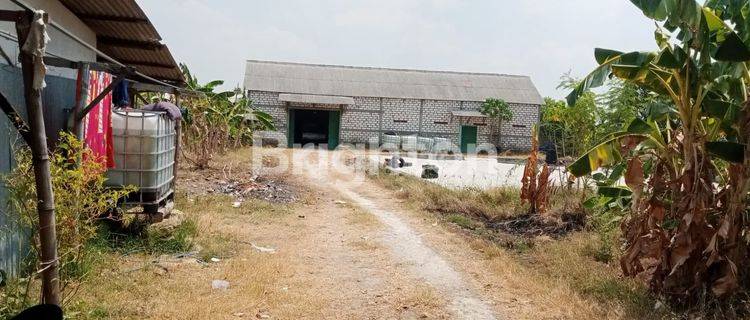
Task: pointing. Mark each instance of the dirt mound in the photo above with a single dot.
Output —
(537, 225)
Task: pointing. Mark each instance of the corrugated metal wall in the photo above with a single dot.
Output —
(58, 96)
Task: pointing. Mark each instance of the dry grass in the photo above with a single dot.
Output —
(424, 300)
(565, 282)
(359, 217)
(142, 286)
(489, 205)
(562, 276)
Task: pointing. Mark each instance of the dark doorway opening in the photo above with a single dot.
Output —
(319, 127)
(311, 127)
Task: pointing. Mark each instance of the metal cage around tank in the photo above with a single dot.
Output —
(144, 145)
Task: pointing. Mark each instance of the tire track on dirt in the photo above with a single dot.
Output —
(424, 262)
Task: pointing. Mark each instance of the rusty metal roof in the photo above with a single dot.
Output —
(125, 33)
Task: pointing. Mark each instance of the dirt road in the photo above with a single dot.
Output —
(347, 249)
(373, 268)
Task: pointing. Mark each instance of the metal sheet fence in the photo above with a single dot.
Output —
(59, 95)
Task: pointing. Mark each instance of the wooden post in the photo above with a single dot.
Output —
(76, 125)
(40, 158)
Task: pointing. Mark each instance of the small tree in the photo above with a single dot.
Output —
(497, 109)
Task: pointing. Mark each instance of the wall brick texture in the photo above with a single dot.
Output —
(370, 117)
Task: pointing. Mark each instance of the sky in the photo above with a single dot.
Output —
(540, 38)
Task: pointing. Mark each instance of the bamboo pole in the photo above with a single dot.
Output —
(40, 158)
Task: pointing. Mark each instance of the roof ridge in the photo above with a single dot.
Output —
(383, 68)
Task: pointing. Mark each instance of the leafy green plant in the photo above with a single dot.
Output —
(499, 110)
(573, 128)
(687, 162)
(218, 120)
(80, 199)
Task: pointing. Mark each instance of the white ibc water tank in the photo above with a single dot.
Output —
(144, 146)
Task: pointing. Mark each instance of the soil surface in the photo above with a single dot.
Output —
(350, 249)
(368, 258)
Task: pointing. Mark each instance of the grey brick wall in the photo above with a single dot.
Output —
(369, 117)
(401, 115)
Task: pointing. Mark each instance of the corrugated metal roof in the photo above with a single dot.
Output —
(315, 99)
(125, 33)
(299, 78)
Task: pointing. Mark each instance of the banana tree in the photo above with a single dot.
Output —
(688, 165)
(219, 120)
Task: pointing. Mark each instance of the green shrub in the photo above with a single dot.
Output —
(80, 199)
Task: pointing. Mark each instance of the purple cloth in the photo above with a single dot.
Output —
(172, 110)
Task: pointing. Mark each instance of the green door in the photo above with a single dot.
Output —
(290, 129)
(334, 124)
(468, 139)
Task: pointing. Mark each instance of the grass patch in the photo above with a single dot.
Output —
(574, 266)
(262, 209)
(570, 260)
(489, 205)
(217, 246)
(423, 299)
(135, 238)
(462, 221)
(222, 206)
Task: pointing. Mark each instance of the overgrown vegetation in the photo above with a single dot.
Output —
(687, 163)
(498, 208)
(573, 129)
(551, 255)
(218, 121)
(80, 200)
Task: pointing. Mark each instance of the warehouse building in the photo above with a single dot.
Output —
(329, 104)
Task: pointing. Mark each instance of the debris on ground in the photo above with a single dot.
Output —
(339, 202)
(397, 162)
(535, 225)
(263, 249)
(220, 284)
(236, 204)
(271, 191)
(241, 184)
(429, 171)
(215, 260)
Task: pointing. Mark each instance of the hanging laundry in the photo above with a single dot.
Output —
(120, 96)
(97, 124)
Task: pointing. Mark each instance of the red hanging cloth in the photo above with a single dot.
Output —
(97, 124)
